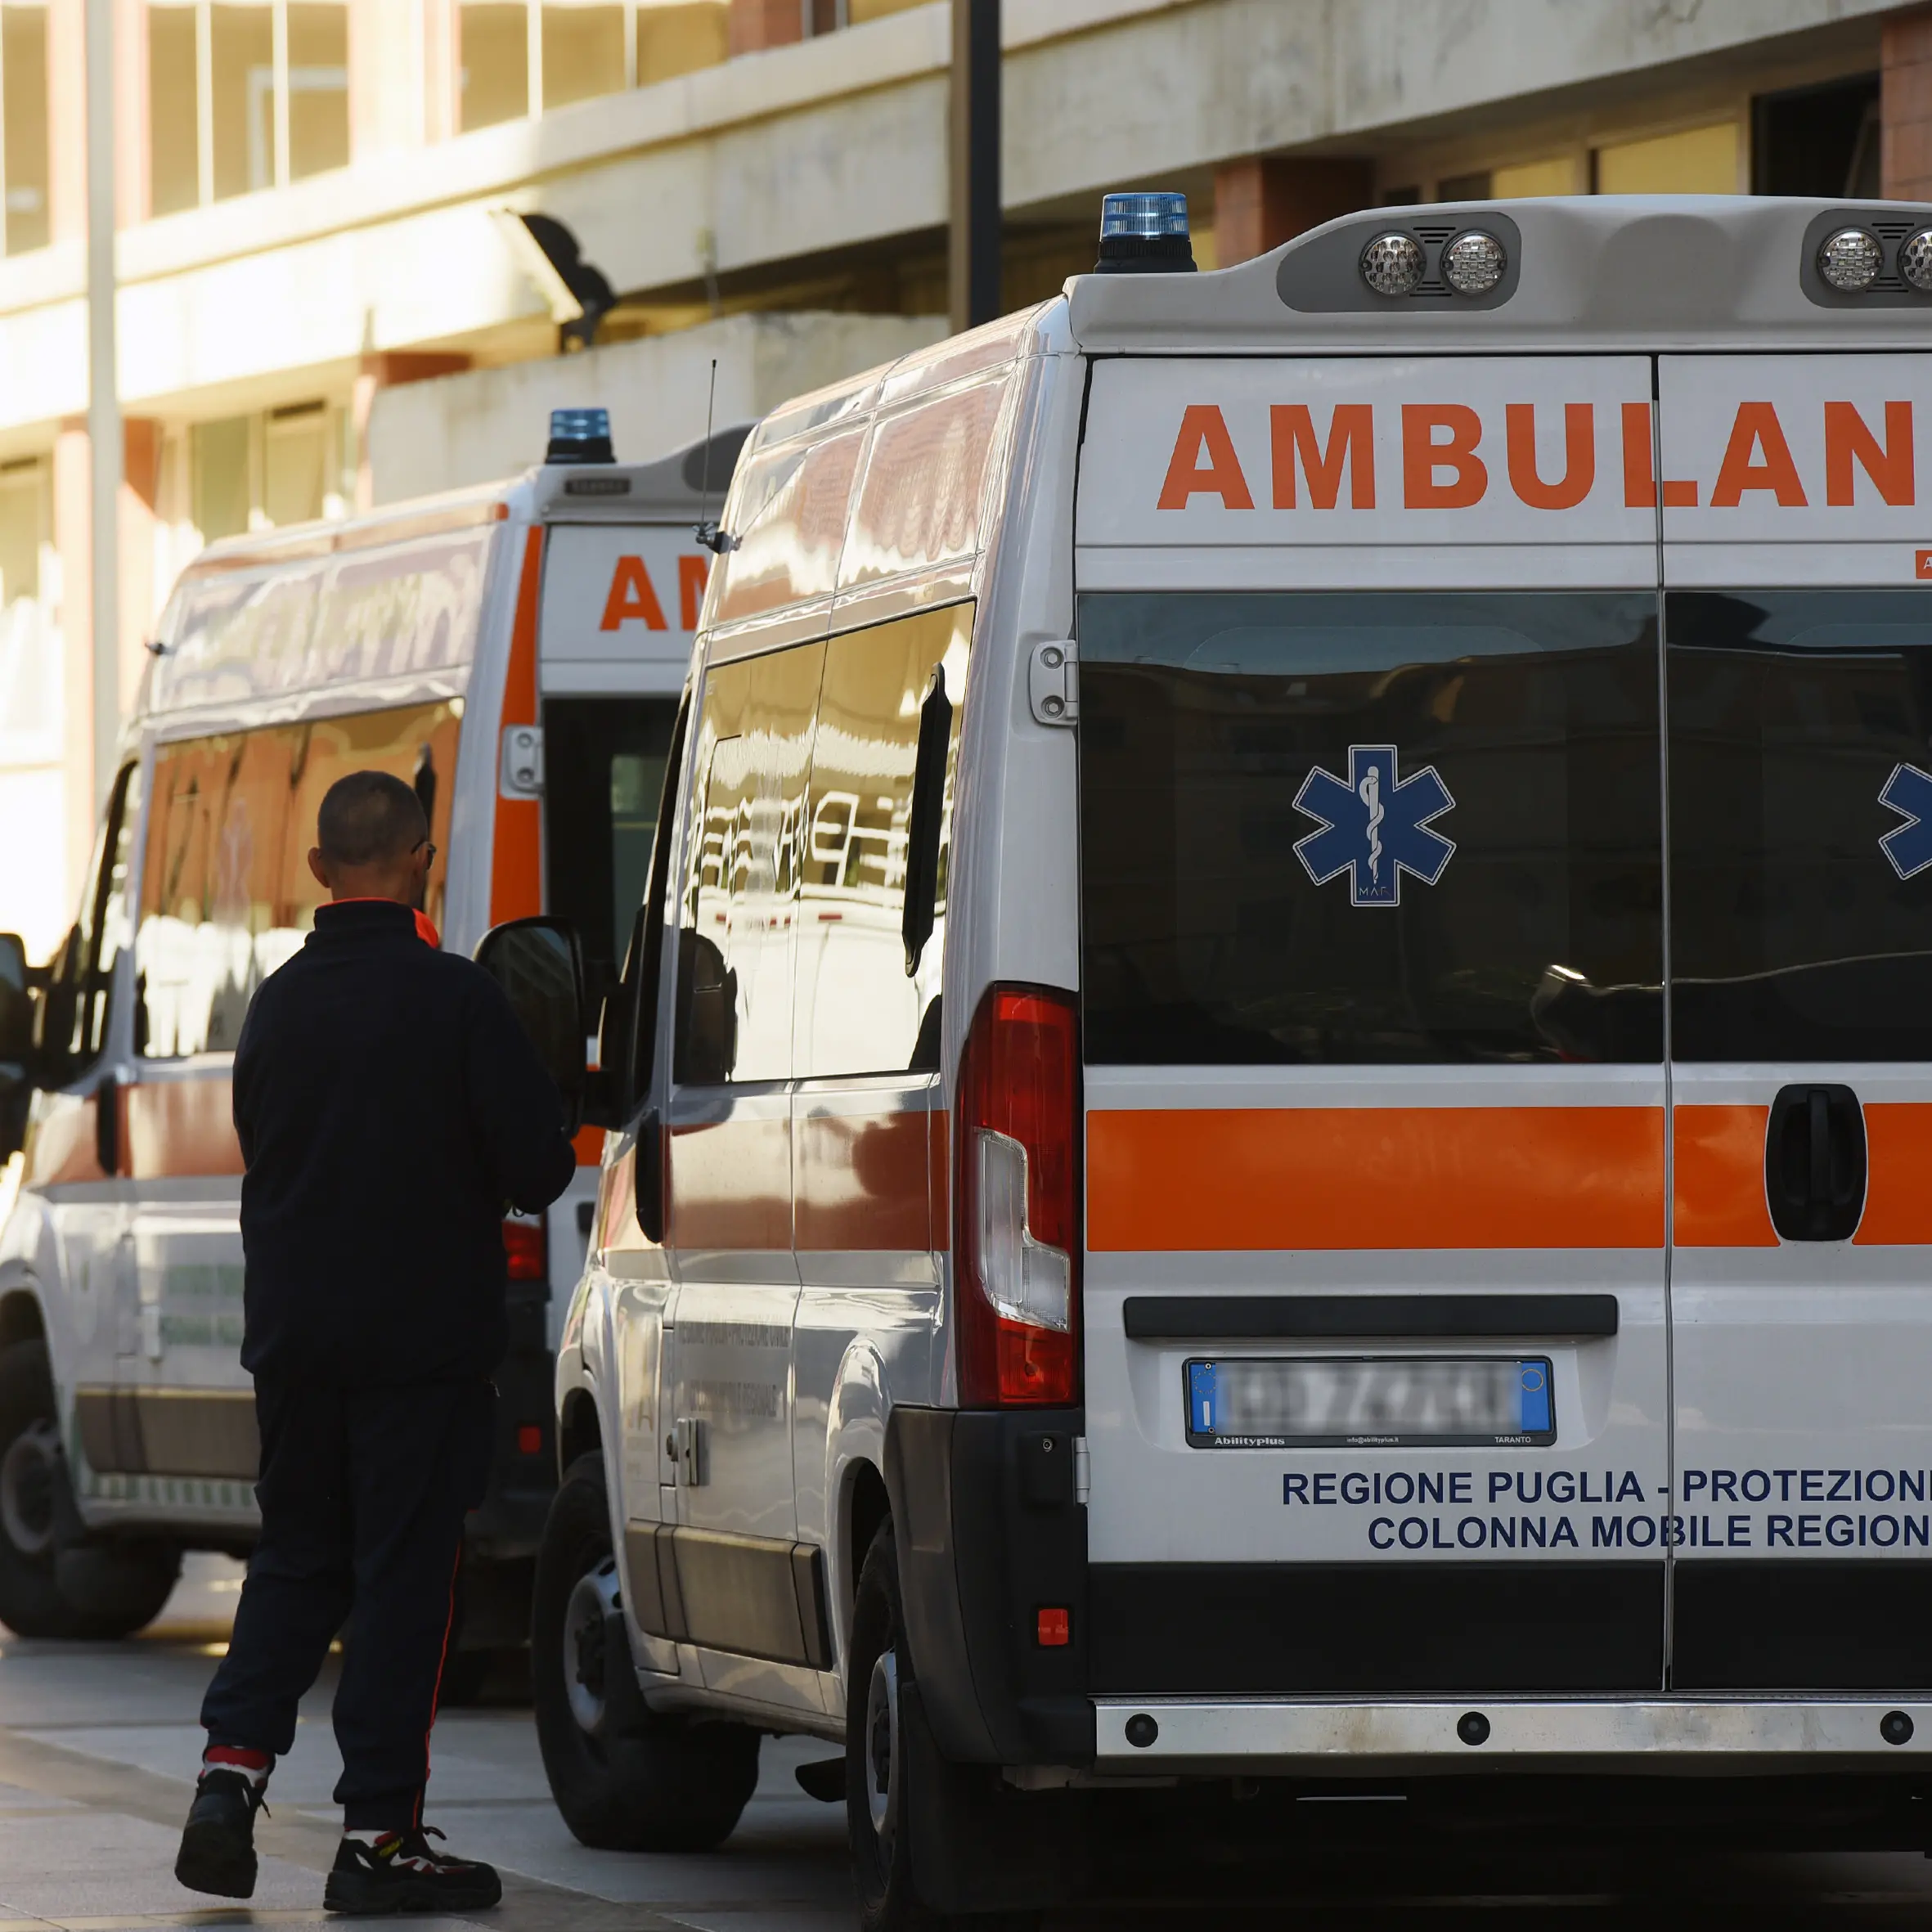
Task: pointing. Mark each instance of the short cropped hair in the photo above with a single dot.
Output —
(367, 817)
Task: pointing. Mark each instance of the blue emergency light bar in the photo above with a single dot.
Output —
(1145, 234)
(580, 436)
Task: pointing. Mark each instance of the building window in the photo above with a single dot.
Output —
(1821, 141)
(518, 59)
(494, 74)
(825, 16)
(674, 36)
(243, 95)
(222, 484)
(585, 52)
(1696, 161)
(1561, 174)
(22, 126)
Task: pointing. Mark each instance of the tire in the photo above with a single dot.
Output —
(93, 1590)
(624, 1779)
(874, 1772)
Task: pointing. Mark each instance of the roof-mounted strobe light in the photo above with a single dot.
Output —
(1850, 260)
(1915, 262)
(580, 436)
(1392, 263)
(1145, 234)
(1472, 264)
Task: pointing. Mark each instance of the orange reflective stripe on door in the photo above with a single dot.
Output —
(1899, 1189)
(181, 1127)
(1718, 1178)
(1374, 1177)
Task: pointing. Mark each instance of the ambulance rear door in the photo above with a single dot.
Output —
(1799, 642)
(1371, 933)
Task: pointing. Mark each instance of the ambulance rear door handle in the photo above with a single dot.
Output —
(688, 1444)
(1815, 1163)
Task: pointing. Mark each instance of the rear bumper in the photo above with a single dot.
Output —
(1336, 1738)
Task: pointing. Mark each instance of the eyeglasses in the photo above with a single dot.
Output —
(419, 845)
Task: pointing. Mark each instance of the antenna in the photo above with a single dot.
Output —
(713, 538)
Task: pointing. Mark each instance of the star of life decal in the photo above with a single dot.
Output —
(1908, 791)
(1374, 827)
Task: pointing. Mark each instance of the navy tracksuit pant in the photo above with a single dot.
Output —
(363, 1494)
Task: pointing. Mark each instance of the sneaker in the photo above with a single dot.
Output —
(401, 1873)
(217, 1844)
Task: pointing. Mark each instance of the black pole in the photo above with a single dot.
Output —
(975, 215)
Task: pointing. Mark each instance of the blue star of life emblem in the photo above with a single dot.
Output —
(1908, 791)
(1372, 828)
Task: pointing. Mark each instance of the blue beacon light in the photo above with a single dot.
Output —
(1145, 233)
(580, 436)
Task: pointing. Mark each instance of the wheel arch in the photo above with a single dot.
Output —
(580, 1429)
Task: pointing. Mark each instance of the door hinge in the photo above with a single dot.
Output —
(520, 772)
(688, 1446)
(1053, 682)
(1083, 1470)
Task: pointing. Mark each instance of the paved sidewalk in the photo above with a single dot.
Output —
(98, 1748)
(99, 1745)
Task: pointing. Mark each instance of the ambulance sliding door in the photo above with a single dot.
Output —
(1371, 933)
(1799, 645)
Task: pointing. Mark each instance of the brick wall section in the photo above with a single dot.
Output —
(1905, 105)
(756, 24)
(1261, 203)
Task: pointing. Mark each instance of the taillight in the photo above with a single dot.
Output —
(1016, 1234)
(525, 1242)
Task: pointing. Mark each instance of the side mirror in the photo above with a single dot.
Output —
(707, 1016)
(17, 1003)
(539, 964)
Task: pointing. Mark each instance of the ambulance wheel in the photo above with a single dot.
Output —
(625, 1778)
(88, 1590)
(875, 1764)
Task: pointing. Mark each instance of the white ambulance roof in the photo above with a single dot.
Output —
(1586, 273)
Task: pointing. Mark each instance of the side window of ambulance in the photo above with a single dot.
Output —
(79, 1013)
(738, 908)
(884, 763)
(211, 923)
(1402, 827)
(227, 895)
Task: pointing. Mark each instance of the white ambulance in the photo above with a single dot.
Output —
(1277, 1096)
(515, 652)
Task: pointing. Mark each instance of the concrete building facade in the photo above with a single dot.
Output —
(361, 241)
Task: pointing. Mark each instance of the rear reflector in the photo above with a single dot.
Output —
(530, 1439)
(1053, 1628)
(1015, 1241)
(525, 1244)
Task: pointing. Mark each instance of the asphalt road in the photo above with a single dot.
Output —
(98, 1747)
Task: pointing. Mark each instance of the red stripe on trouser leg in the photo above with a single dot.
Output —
(449, 1623)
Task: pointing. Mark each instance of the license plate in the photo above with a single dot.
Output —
(1306, 1401)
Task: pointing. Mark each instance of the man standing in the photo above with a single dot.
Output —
(389, 1106)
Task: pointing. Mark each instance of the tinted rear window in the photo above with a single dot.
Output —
(1801, 895)
(1263, 779)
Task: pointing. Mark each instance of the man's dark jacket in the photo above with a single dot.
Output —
(389, 1106)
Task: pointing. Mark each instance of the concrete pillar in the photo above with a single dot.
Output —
(1260, 201)
(380, 372)
(758, 23)
(67, 120)
(442, 70)
(1905, 105)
